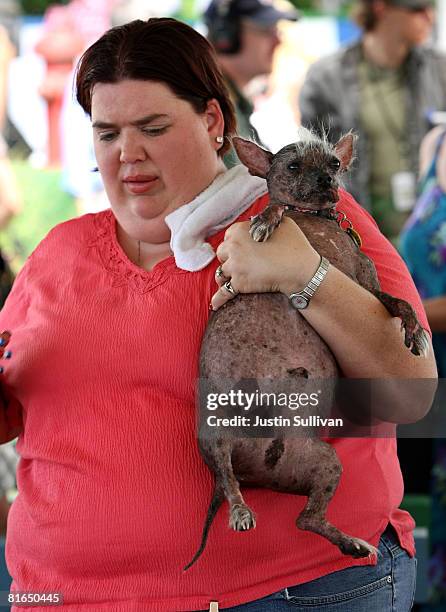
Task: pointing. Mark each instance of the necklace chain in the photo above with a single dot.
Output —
(139, 252)
(335, 215)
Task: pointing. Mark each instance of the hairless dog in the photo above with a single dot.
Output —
(260, 336)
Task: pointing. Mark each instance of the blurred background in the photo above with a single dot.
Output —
(48, 138)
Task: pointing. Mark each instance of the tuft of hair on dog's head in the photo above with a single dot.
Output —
(307, 139)
(304, 135)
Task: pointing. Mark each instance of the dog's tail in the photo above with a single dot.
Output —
(216, 502)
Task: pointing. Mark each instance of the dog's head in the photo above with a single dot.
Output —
(305, 174)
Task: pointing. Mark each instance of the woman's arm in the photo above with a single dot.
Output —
(427, 148)
(365, 339)
(436, 313)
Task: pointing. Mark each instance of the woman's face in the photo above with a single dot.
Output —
(154, 152)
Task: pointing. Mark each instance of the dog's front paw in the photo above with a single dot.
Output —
(241, 518)
(417, 340)
(263, 225)
(260, 229)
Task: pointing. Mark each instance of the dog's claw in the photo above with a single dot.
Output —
(358, 548)
(263, 224)
(417, 340)
(260, 231)
(420, 343)
(241, 518)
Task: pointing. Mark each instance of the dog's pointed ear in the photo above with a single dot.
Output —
(256, 159)
(344, 149)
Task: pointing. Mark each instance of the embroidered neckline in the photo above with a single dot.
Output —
(115, 261)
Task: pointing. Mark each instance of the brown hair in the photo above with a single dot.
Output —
(364, 15)
(163, 50)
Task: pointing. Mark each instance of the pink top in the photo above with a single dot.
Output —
(112, 490)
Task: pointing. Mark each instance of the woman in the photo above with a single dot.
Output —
(423, 243)
(106, 331)
(10, 205)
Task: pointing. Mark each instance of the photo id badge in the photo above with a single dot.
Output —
(403, 190)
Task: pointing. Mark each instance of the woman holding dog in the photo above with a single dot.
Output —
(106, 321)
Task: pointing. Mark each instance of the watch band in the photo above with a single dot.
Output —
(301, 299)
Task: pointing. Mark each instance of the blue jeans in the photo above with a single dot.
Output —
(388, 586)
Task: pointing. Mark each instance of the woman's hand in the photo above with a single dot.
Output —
(10, 408)
(284, 263)
(5, 336)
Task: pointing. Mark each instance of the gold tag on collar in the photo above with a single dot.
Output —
(354, 236)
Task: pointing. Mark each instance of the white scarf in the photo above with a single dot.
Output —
(227, 197)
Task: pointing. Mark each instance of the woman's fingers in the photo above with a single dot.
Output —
(283, 263)
(4, 340)
(226, 290)
(222, 251)
(225, 293)
(220, 277)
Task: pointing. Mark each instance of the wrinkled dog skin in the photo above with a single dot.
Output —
(259, 336)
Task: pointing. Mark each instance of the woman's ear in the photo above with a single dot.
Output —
(215, 120)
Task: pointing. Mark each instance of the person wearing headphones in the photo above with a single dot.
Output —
(244, 34)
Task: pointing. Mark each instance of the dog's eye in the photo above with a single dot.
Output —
(293, 166)
(335, 164)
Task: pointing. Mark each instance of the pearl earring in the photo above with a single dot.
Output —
(219, 139)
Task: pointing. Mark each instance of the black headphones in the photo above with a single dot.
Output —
(224, 28)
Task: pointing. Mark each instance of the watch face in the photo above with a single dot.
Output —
(299, 302)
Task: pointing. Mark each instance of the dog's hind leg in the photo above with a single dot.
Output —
(312, 518)
(218, 457)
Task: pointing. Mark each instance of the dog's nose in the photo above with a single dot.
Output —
(324, 180)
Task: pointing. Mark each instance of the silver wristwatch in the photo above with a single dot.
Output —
(301, 299)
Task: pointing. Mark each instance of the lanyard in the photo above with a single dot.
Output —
(389, 122)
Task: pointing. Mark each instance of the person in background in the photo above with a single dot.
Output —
(10, 205)
(423, 246)
(10, 27)
(383, 86)
(10, 196)
(89, 19)
(244, 34)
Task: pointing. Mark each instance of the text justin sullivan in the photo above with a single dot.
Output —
(277, 421)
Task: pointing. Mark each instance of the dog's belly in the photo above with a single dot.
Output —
(289, 464)
(262, 336)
